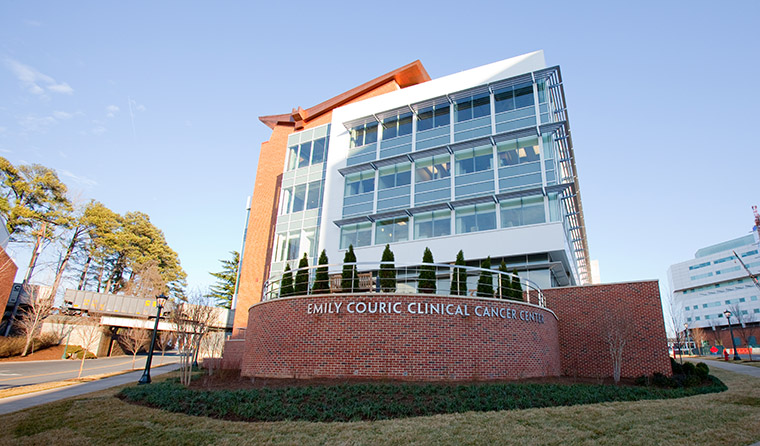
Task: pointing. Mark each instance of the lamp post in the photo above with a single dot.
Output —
(145, 378)
(731, 332)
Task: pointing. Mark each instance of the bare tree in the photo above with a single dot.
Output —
(192, 321)
(165, 339)
(90, 333)
(31, 318)
(699, 336)
(745, 327)
(677, 320)
(134, 339)
(617, 331)
(715, 333)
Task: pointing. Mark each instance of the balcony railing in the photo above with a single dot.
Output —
(394, 278)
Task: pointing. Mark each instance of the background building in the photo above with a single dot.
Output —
(714, 281)
(480, 160)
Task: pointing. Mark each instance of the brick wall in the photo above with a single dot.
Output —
(290, 338)
(585, 313)
(8, 271)
(233, 353)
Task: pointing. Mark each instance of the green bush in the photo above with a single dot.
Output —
(376, 401)
(76, 351)
(702, 370)
(690, 376)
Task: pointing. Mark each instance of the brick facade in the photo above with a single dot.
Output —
(284, 340)
(8, 271)
(254, 269)
(585, 312)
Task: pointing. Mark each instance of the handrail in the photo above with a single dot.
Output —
(405, 279)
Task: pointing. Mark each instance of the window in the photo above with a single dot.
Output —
(357, 234)
(304, 154)
(293, 244)
(432, 117)
(519, 151)
(292, 157)
(474, 160)
(432, 224)
(472, 107)
(299, 197)
(315, 193)
(287, 195)
(480, 217)
(398, 125)
(364, 134)
(522, 211)
(360, 183)
(512, 98)
(318, 151)
(433, 168)
(393, 230)
(395, 176)
(701, 265)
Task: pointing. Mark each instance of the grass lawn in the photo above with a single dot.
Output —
(727, 418)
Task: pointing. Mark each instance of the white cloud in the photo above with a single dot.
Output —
(32, 23)
(111, 111)
(62, 115)
(81, 180)
(36, 82)
(98, 130)
(32, 123)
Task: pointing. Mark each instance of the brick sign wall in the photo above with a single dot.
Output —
(415, 337)
(586, 315)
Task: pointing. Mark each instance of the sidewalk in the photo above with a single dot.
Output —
(737, 368)
(14, 403)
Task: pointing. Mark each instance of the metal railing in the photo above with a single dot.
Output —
(395, 278)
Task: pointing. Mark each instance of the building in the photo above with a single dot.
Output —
(480, 160)
(715, 281)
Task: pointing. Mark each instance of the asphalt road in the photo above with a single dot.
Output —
(13, 374)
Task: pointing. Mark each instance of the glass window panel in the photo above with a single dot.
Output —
(523, 95)
(441, 115)
(423, 170)
(315, 191)
(293, 246)
(425, 119)
(299, 197)
(292, 157)
(466, 220)
(370, 133)
(504, 100)
(405, 124)
(304, 154)
(389, 128)
(357, 136)
(318, 151)
(464, 109)
(486, 218)
(401, 229)
(465, 166)
(363, 234)
(286, 197)
(384, 232)
(423, 229)
(541, 85)
(481, 105)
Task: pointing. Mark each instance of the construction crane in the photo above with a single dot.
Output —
(757, 228)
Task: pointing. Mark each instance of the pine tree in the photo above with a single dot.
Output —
(322, 279)
(459, 277)
(485, 281)
(224, 288)
(302, 277)
(517, 291)
(426, 281)
(286, 285)
(388, 271)
(505, 283)
(350, 278)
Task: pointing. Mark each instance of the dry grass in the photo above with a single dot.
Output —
(728, 418)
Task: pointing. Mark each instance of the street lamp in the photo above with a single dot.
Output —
(145, 378)
(731, 332)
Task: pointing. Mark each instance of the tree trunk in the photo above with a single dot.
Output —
(62, 267)
(83, 277)
(35, 253)
(100, 276)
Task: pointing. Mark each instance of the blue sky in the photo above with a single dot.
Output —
(154, 106)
